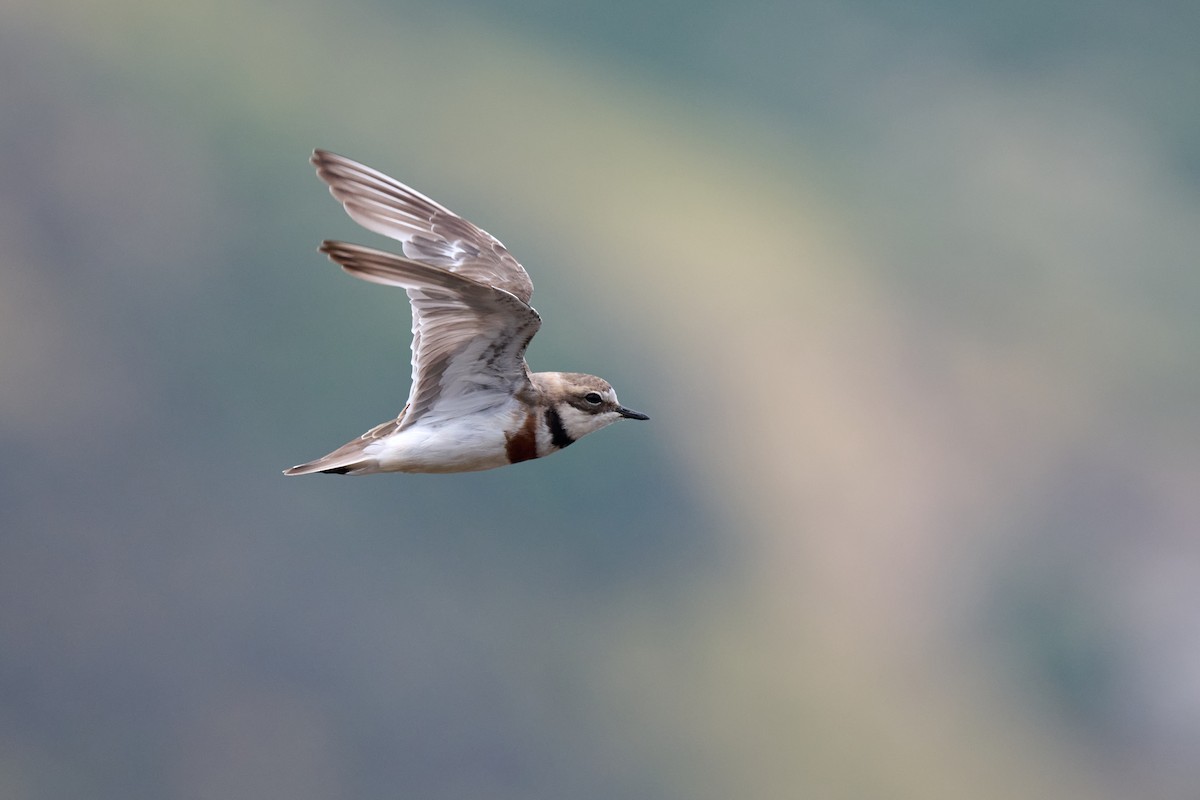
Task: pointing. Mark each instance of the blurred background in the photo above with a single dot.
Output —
(909, 293)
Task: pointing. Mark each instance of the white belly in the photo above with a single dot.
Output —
(466, 444)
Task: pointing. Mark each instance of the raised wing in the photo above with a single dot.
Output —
(432, 234)
(469, 338)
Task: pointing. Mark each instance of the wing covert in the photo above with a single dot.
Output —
(469, 339)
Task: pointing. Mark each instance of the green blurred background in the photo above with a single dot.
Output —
(909, 292)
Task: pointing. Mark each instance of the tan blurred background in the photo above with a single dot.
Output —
(909, 295)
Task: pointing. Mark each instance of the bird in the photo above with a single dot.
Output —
(473, 403)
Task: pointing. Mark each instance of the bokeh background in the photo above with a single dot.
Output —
(909, 291)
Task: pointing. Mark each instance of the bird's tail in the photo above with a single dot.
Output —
(349, 459)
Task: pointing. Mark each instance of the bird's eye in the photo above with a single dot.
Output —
(593, 397)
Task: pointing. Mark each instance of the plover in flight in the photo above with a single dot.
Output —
(474, 404)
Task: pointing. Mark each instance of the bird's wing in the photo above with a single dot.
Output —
(469, 338)
(432, 234)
